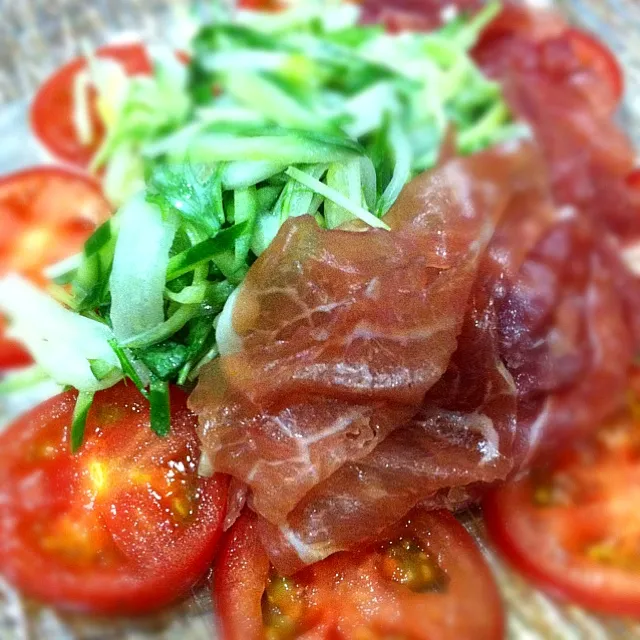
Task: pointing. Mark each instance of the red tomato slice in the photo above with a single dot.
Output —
(126, 525)
(46, 214)
(597, 57)
(574, 529)
(424, 579)
(52, 109)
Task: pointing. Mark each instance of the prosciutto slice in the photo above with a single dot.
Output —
(343, 336)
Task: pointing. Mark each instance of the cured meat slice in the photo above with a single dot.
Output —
(548, 85)
(359, 315)
(401, 15)
(566, 337)
(464, 436)
(277, 421)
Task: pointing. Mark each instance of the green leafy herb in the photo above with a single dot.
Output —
(165, 360)
(193, 193)
(205, 251)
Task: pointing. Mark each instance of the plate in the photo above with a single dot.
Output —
(36, 36)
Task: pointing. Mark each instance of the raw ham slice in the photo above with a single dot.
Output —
(359, 315)
(547, 84)
(312, 393)
(463, 437)
(401, 15)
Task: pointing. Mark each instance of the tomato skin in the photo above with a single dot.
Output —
(633, 181)
(52, 110)
(551, 544)
(347, 594)
(238, 602)
(91, 532)
(604, 595)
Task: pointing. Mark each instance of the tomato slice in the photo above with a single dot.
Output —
(633, 181)
(573, 529)
(52, 109)
(424, 579)
(598, 58)
(126, 525)
(46, 215)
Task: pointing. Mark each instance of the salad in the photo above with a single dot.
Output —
(365, 265)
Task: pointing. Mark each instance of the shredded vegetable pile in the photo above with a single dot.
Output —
(278, 115)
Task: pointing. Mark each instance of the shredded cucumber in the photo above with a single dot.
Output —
(140, 264)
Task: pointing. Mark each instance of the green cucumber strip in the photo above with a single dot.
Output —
(128, 368)
(259, 92)
(241, 175)
(165, 330)
(160, 408)
(79, 420)
(345, 178)
(246, 211)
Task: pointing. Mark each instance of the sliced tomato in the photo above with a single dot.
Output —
(633, 181)
(599, 59)
(424, 579)
(52, 109)
(46, 215)
(574, 529)
(126, 525)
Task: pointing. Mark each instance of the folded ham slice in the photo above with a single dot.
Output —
(356, 346)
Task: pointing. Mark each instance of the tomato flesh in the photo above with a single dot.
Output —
(52, 109)
(573, 528)
(423, 579)
(125, 526)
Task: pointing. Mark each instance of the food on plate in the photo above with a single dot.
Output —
(570, 527)
(424, 578)
(123, 526)
(46, 214)
(66, 115)
(386, 250)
